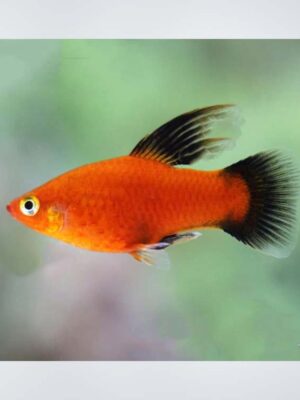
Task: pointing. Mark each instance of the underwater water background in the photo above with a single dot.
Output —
(64, 103)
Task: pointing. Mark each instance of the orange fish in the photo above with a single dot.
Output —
(141, 203)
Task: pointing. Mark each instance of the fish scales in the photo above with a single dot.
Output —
(141, 203)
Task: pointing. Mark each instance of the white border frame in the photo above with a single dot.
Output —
(149, 380)
(149, 19)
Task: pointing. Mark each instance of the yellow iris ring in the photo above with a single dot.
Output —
(34, 201)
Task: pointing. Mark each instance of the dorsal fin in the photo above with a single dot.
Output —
(191, 136)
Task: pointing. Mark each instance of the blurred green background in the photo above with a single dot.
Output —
(69, 102)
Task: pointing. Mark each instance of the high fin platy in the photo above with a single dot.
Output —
(188, 137)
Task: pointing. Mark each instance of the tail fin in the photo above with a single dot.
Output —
(270, 223)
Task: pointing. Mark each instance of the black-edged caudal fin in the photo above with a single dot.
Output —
(196, 134)
(270, 224)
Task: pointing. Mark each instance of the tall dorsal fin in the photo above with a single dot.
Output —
(190, 136)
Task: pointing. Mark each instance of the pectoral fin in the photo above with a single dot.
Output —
(150, 255)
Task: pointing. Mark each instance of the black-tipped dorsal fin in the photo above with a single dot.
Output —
(188, 137)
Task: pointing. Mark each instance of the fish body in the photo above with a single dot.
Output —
(142, 203)
(120, 204)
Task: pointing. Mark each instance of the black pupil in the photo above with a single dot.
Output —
(28, 205)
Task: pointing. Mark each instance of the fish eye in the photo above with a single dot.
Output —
(29, 206)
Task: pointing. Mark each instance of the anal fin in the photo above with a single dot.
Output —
(181, 237)
(154, 254)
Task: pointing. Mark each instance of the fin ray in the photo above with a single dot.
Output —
(270, 224)
(179, 238)
(155, 254)
(150, 255)
(191, 136)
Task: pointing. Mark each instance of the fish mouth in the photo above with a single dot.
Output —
(11, 210)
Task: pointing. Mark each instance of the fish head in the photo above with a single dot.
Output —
(36, 211)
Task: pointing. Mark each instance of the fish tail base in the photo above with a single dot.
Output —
(270, 222)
